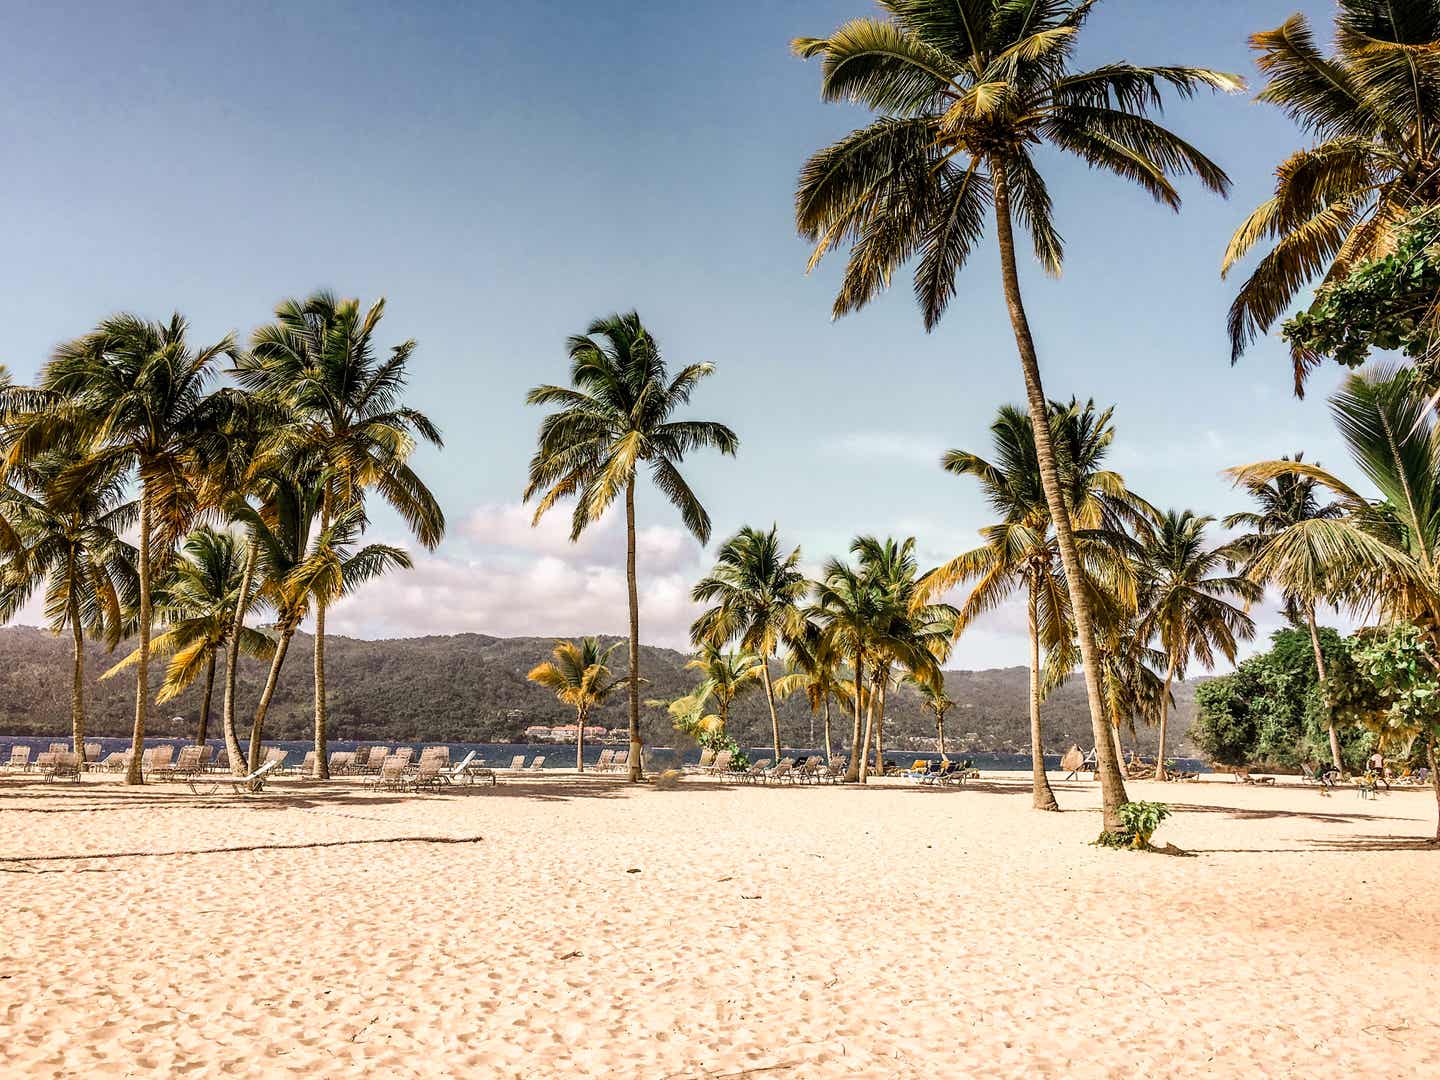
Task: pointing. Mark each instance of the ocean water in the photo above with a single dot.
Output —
(557, 755)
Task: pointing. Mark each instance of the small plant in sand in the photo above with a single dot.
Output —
(1138, 822)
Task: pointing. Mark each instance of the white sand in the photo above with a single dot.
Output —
(776, 932)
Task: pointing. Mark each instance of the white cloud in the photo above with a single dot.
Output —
(890, 446)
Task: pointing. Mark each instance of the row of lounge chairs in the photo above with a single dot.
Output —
(941, 773)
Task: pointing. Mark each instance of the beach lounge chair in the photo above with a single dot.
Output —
(537, 765)
(1244, 777)
(157, 760)
(60, 765)
(187, 764)
(307, 767)
(403, 754)
(58, 747)
(340, 761)
(517, 763)
(93, 753)
(621, 761)
(1308, 775)
(602, 763)
(756, 773)
(119, 761)
(278, 756)
(426, 775)
(209, 783)
(919, 770)
(392, 775)
(359, 759)
(20, 758)
(707, 759)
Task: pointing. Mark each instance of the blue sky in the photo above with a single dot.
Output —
(504, 173)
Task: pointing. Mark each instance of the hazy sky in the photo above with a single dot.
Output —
(503, 173)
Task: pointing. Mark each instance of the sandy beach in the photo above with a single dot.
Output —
(574, 927)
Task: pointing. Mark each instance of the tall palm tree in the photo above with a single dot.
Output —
(70, 543)
(757, 591)
(847, 604)
(1185, 602)
(319, 357)
(966, 91)
(579, 674)
(615, 415)
(197, 603)
(1020, 550)
(1289, 501)
(816, 670)
(130, 394)
(725, 676)
(1372, 106)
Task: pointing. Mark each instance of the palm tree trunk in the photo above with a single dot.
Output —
(1112, 783)
(133, 773)
(852, 768)
(203, 731)
(1430, 756)
(322, 764)
(940, 732)
(232, 659)
(1320, 674)
(880, 723)
(637, 764)
(770, 700)
(1042, 794)
(257, 728)
(864, 748)
(579, 740)
(77, 691)
(828, 755)
(1164, 718)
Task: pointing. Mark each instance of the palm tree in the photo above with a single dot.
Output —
(71, 544)
(1372, 106)
(816, 670)
(579, 674)
(966, 90)
(320, 359)
(1185, 605)
(934, 698)
(1020, 550)
(725, 676)
(757, 591)
(198, 604)
(1289, 501)
(1377, 556)
(846, 607)
(130, 394)
(616, 414)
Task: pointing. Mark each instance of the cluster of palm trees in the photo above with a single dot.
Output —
(966, 91)
(118, 464)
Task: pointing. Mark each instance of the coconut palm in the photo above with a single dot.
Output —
(1372, 107)
(320, 359)
(725, 676)
(1287, 501)
(616, 414)
(934, 698)
(1377, 557)
(846, 607)
(70, 543)
(130, 394)
(579, 674)
(757, 591)
(966, 91)
(1185, 602)
(197, 604)
(1020, 551)
(815, 669)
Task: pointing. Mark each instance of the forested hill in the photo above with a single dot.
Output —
(472, 687)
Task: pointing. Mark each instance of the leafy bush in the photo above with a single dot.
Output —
(1138, 822)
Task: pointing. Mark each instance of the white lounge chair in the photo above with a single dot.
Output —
(208, 784)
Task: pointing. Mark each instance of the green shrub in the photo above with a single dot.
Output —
(1138, 822)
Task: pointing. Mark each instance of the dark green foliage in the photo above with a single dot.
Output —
(1387, 304)
(1390, 686)
(1270, 711)
(472, 687)
(1138, 822)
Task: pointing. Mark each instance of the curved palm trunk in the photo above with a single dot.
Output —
(1042, 794)
(770, 701)
(1112, 783)
(880, 723)
(232, 660)
(637, 764)
(257, 727)
(869, 737)
(203, 731)
(579, 740)
(77, 690)
(857, 750)
(940, 732)
(829, 756)
(133, 773)
(1320, 674)
(322, 764)
(1164, 719)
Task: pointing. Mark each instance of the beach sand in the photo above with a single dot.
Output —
(560, 926)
